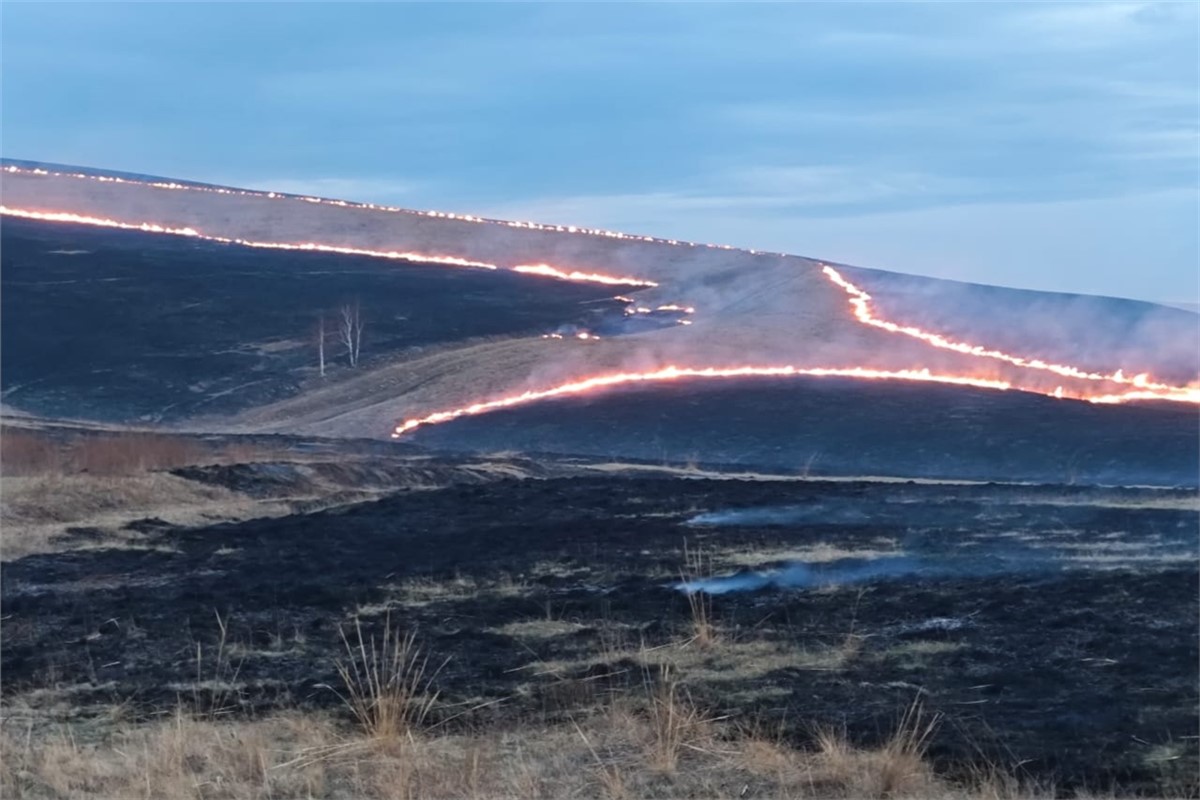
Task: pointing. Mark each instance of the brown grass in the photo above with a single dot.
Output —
(56, 480)
(33, 453)
(652, 740)
(700, 604)
(387, 685)
(676, 724)
(36, 511)
(897, 768)
(613, 753)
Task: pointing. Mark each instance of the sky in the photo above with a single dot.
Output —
(1039, 145)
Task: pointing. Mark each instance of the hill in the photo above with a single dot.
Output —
(138, 299)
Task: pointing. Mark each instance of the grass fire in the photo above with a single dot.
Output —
(306, 492)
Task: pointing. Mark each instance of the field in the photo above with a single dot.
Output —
(220, 578)
(874, 637)
(121, 326)
(830, 426)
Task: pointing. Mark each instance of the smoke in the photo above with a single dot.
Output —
(800, 575)
(751, 308)
(1094, 333)
(783, 516)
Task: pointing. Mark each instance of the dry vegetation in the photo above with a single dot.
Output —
(650, 731)
(27, 453)
(54, 481)
(396, 736)
(648, 749)
(399, 741)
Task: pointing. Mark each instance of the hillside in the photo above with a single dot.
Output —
(212, 325)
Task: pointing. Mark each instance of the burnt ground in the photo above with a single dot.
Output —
(1076, 663)
(146, 327)
(831, 426)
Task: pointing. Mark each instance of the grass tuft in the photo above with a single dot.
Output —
(700, 603)
(388, 687)
(676, 725)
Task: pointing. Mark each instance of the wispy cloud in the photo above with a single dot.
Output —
(1090, 25)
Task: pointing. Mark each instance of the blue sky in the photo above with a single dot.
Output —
(1050, 146)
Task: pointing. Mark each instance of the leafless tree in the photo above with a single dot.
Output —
(350, 329)
(321, 342)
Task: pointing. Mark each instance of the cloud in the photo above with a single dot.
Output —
(767, 125)
(1092, 25)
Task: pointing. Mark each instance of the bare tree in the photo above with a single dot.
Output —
(350, 329)
(321, 342)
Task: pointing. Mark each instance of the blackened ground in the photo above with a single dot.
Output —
(152, 327)
(1081, 671)
(834, 426)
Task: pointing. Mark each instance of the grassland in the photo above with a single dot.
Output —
(469, 632)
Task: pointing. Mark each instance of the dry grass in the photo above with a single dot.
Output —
(538, 628)
(36, 511)
(652, 741)
(693, 471)
(53, 481)
(700, 604)
(425, 591)
(386, 681)
(24, 452)
(79, 498)
(676, 725)
(819, 552)
(215, 691)
(622, 751)
(897, 768)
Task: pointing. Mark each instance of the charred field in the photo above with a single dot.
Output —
(831, 426)
(127, 327)
(1050, 627)
(753, 587)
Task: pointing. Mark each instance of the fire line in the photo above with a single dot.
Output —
(675, 373)
(1145, 388)
(1142, 387)
(472, 218)
(543, 270)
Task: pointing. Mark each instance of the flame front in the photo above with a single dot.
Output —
(61, 216)
(675, 373)
(1139, 386)
(593, 277)
(1145, 388)
(544, 270)
(208, 189)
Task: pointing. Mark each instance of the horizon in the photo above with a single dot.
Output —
(1049, 147)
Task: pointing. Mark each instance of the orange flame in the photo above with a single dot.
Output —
(202, 188)
(594, 277)
(544, 270)
(674, 373)
(1143, 387)
(860, 301)
(60, 216)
